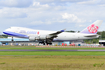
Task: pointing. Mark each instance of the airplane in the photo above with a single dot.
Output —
(47, 37)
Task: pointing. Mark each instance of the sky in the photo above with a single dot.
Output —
(51, 14)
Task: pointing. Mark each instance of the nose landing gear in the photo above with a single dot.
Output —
(12, 39)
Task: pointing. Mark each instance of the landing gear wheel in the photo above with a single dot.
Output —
(48, 41)
(42, 43)
(12, 39)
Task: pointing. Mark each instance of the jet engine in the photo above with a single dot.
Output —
(43, 38)
(33, 38)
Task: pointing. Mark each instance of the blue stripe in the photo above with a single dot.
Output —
(62, 30)
(15, 34)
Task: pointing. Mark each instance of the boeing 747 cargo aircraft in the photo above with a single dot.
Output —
(46, 37)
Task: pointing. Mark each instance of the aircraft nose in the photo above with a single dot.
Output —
(6, 31)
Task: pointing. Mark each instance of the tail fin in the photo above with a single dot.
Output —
(93, 28)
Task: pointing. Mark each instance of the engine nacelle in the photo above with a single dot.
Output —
(33, 38)
(42, 37)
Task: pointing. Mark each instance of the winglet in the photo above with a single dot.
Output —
(63, 30)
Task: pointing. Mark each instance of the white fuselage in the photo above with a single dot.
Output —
(64, 36)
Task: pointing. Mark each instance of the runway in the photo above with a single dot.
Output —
(46, 50)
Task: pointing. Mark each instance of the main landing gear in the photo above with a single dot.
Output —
(47, 42)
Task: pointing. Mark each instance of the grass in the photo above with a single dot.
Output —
(34, 47)
(52, 53)
(50, 60)
(52, 63)
(48, 53)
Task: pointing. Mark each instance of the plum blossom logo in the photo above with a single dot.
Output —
(38, 32)
(92, 28)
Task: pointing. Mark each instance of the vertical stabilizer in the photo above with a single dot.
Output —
(93, 28)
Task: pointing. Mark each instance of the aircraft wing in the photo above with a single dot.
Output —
(52, 35)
